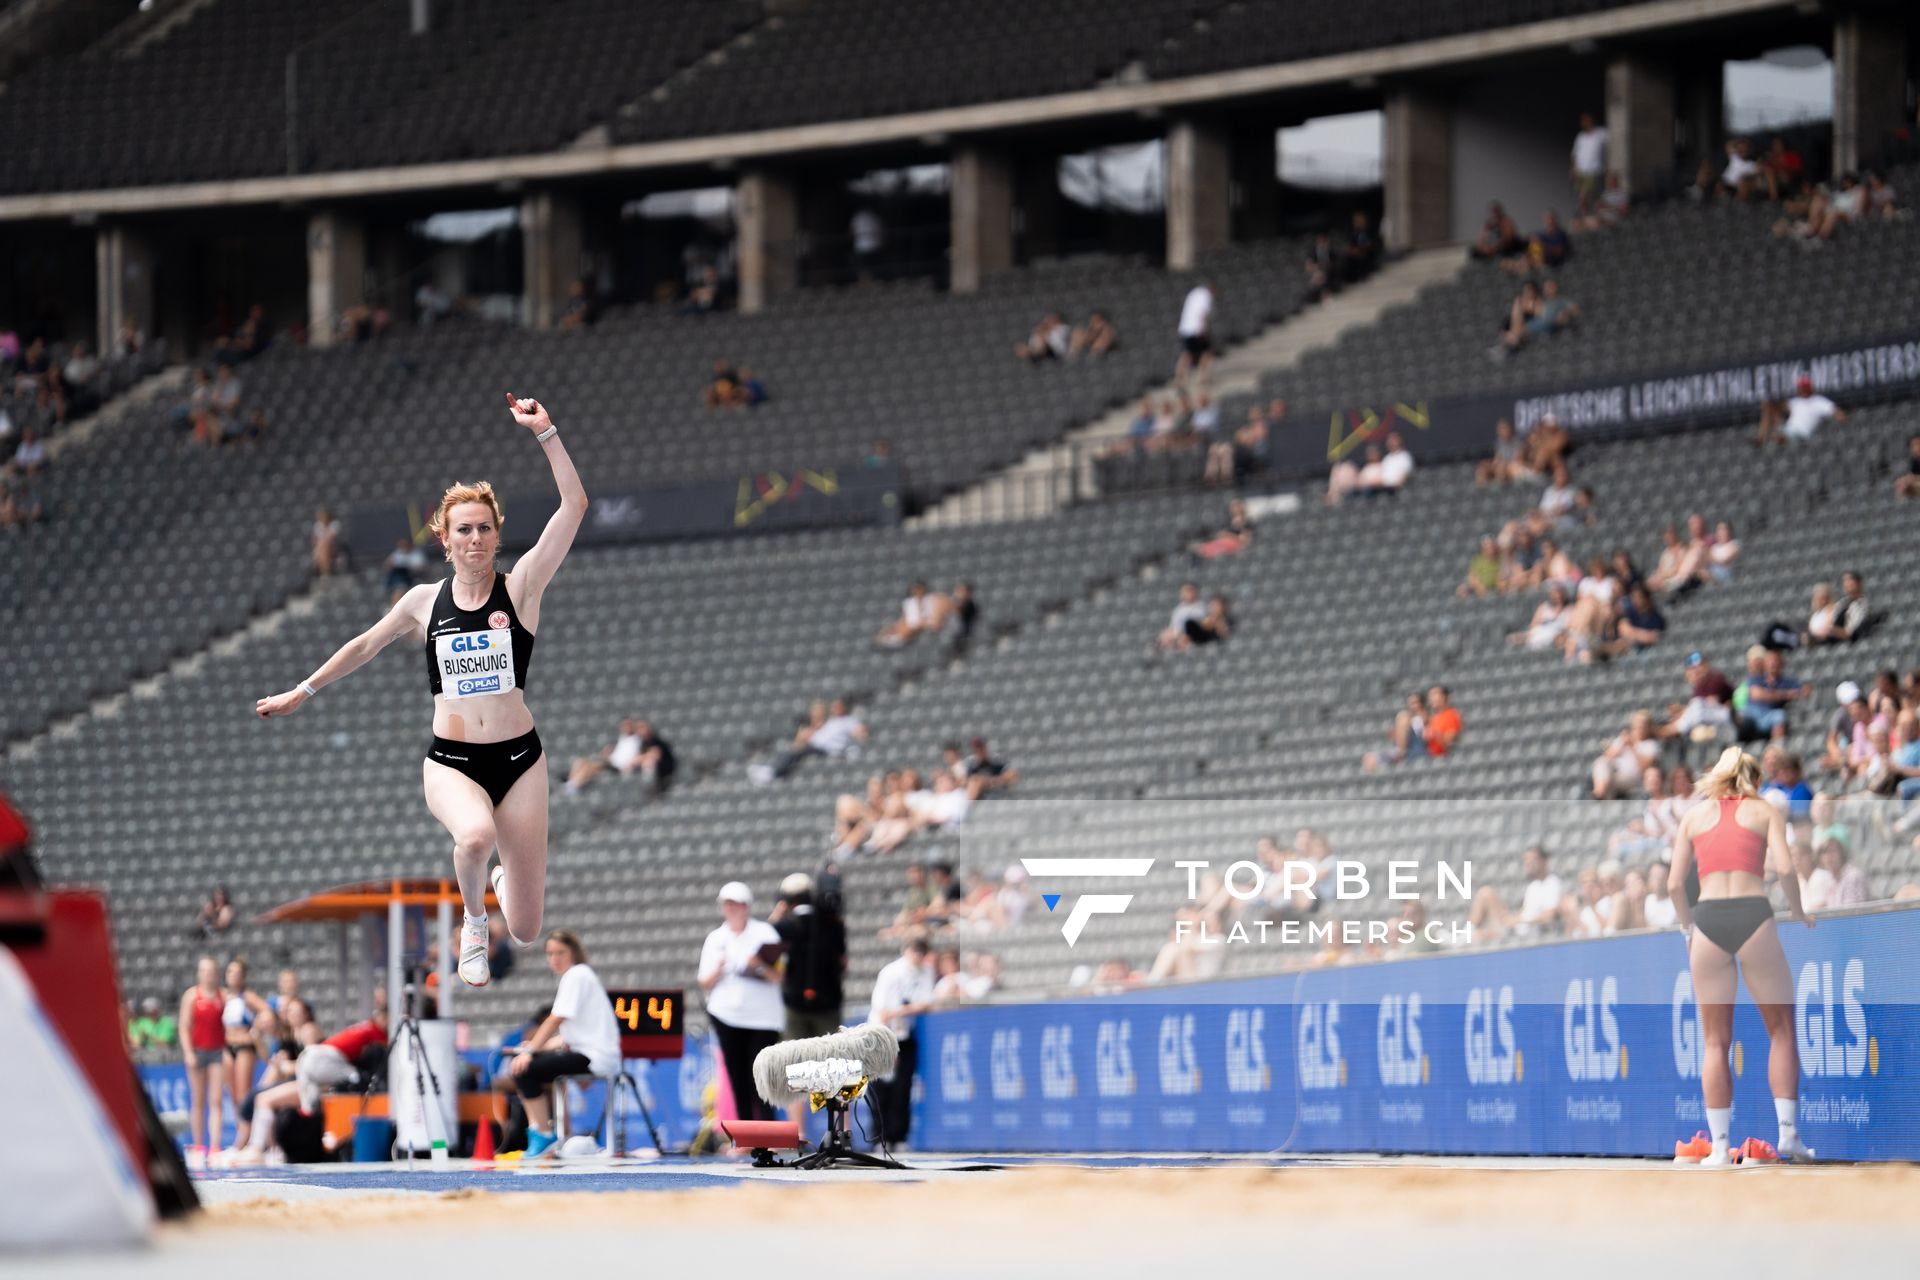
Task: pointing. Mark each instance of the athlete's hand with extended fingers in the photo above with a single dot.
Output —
(529, 413)
(280, 704)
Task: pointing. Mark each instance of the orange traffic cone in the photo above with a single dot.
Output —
(483, 1140)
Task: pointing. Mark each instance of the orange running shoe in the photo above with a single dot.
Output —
(1694, 1149)
(1757, 1151)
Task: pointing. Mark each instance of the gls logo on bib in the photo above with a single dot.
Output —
(474, 663)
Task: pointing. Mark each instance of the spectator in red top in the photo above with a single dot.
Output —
(1430, 726)
(327, 1065)
(1782, 167)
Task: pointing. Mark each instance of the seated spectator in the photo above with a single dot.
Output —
(405, 565)
(329, 549)
(1741, 178)
(30, 458)
(1816, 883)
(1882, 200)
(1851, 613)
(1546, 444)
(1612, 208)
(1508, 463)
(1641, 624)
(750, 392)
(1782, 168)
(1784, 787)
(154, 1028)
(1648, 831)
(1706, 722)
(1204, 422)
(1386, 471)
(1540, 909)
(921, 613)
(982, 773)
(1322, 268)
(1549, 622)
(1625, 569)
(1907, 484)
(1188, 610)
(1236, 537)
(1556, 502)
(1096, 338)
(638, 750)
(945, 805)
(963, 615)
(19, 499)
(830, 731)
(723, 386)
(1139, 432)
(1850, 888)
(1798, 417)
(216, 914)
(1396, 468)
(915, 903)
(1499, 237)
(1547, 249)
(1483, 572)
(1428, 728)
(1362, 251)
(1769, 694)
(579, 311)
(1657, 907)
(1515, 328)
(79, 372)
(1627, 901)
(1621, 768)
(1847, 733)
(1051, 339)
(1667, 571)
(703, 294)
(1247, 455)
(1199, 950)
(1211, 627)
(225, 398)
(1522, 560)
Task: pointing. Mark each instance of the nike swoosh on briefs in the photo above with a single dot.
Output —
(510, 758)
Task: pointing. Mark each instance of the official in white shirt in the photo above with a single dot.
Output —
(902, 992)
(579, 1037)
(739, 971)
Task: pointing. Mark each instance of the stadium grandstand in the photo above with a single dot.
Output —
(1028, 495)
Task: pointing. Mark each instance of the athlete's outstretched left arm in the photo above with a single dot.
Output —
(535, 569)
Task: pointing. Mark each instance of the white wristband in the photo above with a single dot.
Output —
(307, 688)
(547, 435)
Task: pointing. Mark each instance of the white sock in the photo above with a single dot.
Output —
(1787, 1112)
(477, 922)
(1719, 1125)
(262, 1128)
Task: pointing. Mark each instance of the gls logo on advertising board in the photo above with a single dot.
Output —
(1591, 1032)
(1179, 1066)
(1247, 1070)
(1056, 1063)
(1318, 1050)
(1817, 1023)
(1492, 1056)
(956, 1067)
(1113, 1060)
(1003, 1066)
(1403, 1059)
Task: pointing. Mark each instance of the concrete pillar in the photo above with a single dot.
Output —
(767, 218)
(981, 200)
(1702, 95)
(1640, 120)
(336, 272)
(550, 245)
(1416, 169)
(1199, 201)
(1037, 188)
(1256, 183)
(123, 276)
(1869, 88)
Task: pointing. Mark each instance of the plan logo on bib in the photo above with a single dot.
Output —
(1088, 905)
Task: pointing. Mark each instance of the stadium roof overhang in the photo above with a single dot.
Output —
(702, 159)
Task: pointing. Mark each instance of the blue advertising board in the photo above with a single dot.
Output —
(1574, 1048)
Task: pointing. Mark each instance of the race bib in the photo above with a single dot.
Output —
(474, 664)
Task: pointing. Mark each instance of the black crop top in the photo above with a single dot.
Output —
(473, 653)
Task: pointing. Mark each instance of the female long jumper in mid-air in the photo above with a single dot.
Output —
(484, 774)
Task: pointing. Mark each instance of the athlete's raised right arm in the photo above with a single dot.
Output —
(401, 620)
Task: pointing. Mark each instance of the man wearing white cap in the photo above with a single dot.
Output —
(739, 971)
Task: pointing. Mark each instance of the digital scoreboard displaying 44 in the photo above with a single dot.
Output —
(650, 1021)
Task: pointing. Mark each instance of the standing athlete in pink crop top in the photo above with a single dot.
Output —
(1730, 935)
